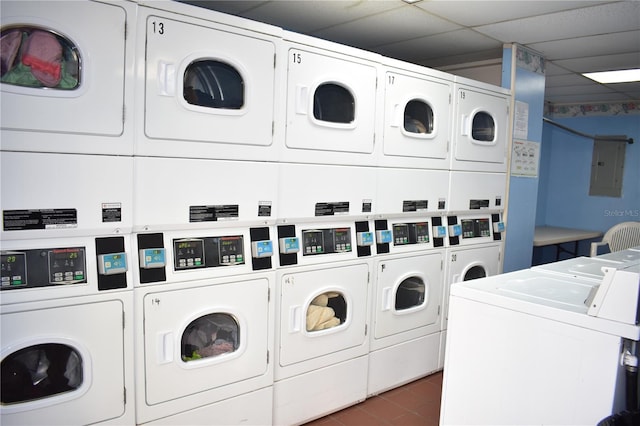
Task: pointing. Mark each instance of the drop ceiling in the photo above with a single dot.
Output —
(573, 36)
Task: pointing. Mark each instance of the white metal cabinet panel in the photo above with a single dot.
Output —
(390, 274)
(168, 313)
(96, 106)
(175, 127)
(94, 328)
(414, 149)
(95, 191)
(486, 152)
(297, 291)
(207, 183)
(310, 139)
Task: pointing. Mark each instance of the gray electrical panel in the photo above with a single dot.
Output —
(607, 166)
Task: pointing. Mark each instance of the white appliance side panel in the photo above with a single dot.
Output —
(396, 185)
(390, 275)
(525, 369)
(401, 89)
(302, 186)
(472, 154)
(253, 408)
(96, 106)
(95, 330)
(298, 289)
(96, 191)
(171, 46)
(306, 71)
(166, 316)
(467, 186)
(464, 264)
(319, 392)
(166, 189)
(402, 363)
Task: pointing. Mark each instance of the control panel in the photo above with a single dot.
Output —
(410, 233)
(43, 267)
(474, 228)
(326, 241)
(208, 252)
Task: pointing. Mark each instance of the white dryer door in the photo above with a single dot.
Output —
(204, 338)
(330, 103)
(416, 119)
(408, 294)
(89, 103)
(481, 132)
(350, 286)
(73, 358)
(207, 85)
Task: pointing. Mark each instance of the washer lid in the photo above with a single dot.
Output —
(543, 294)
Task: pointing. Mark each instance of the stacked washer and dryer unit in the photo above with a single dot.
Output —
(327, 190)
(412, 189)
(477, 186)
(66, 200)
(204, 223)
(277, 218)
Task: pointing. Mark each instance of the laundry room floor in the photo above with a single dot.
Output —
(416, 403)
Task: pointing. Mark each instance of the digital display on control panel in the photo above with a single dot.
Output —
(400, 233)
(66, 266)
(312, 242)
(473, 228)
(188, 254)
(231, 250)
(422, 232)
(14, 270)
(342, 239)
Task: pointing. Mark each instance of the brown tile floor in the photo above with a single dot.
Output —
(416, 403)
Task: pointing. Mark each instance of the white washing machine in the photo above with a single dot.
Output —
(480, 126)
(204, 326)
(417, 108)
(66, 301)
(331, 97)
(592, 268)
(322, 317)
(525, 348)
(325, 241)
(67, 77)
(409, 277)
(204, 290)
(207, 84)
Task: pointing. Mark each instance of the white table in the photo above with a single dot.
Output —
(554, 235)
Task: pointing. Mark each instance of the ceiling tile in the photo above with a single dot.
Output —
(440, 45)
(414, 23)
(601, 63)
(311, 16)
(601, 19)
(602, 44)
(474, 13)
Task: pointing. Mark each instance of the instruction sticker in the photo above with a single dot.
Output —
(111, 212)
(23, 220)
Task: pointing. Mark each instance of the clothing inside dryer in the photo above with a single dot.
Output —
(40, 371)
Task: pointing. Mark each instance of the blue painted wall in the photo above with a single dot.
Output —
(523, 191)
(565, 170)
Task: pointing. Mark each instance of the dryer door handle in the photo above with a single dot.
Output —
(164, 347)
(386, 299)
(302, 96)
(294, 319)
(166, 79)
(396, 116)
(464, 125)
